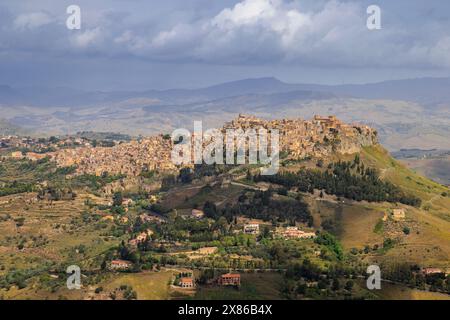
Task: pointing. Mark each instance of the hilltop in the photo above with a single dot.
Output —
(299, 139)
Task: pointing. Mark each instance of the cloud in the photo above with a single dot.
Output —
(87, 38)
(276, 31)
(260, 31)
(33, 20)
(327, 34)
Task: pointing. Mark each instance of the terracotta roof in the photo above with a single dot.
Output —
(231, 275)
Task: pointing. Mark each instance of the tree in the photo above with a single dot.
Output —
(349, 285)
(336, 284)
(249, 176)
(265, 232)
(117, 199)
(301, 289)
(210, 210)
(186, 175)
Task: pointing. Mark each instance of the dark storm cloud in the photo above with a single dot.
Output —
(322, 34)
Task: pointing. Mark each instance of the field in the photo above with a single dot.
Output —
(148, 285)
(41, 238)
(188, 197)
(254, 286)
(353, 223)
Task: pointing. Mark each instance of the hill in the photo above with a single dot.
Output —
(336, 209)
(6, 129)
(360, 224)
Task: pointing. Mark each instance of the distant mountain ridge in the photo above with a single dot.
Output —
(421, 90)
(409, 114)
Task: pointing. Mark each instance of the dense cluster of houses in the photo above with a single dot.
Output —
(131, 158)
(302, 138)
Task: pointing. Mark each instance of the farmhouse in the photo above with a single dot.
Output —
(187, 282)
(230, 279)
(295, 233)
(141, 237)
(120, 265)
(251, 229)
(398, 214)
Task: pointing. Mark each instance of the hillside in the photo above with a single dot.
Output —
(6, 129)
(360, 224)
(327, 214)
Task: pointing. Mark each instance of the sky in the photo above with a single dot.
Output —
(148, 44)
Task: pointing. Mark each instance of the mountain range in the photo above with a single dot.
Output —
(411, 113)
(421, 90)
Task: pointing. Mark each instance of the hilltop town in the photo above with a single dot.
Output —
(298, 139)
(312, 138)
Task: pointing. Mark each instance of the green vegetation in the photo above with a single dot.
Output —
(379, 227)
(351, 180)
(262, 205)
(93, 182)
(331, 243)
(14, 188)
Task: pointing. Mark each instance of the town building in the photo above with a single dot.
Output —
(230, 279)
